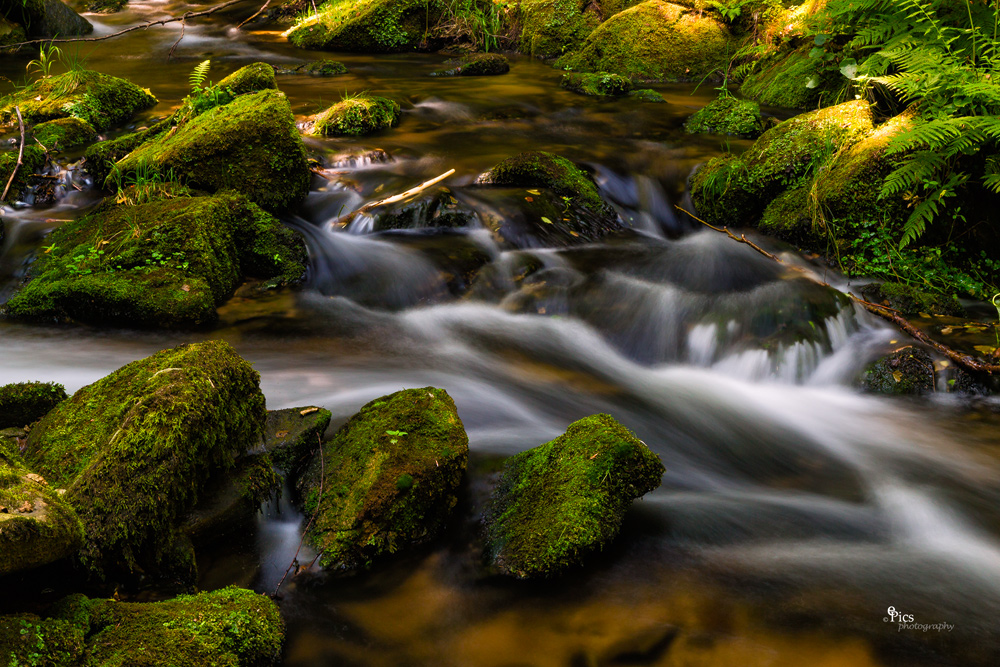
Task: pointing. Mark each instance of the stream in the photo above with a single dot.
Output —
(795, 510)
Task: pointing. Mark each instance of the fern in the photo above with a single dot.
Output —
(199, 74)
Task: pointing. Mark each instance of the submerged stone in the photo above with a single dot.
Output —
(135, 449)
(322, 68)
(388, 479)
(727, 115)
(22, 403)
(293, 434)
(600, 84)
(365, 26)
(484, 64)
(647, 95)
(558, 503)
(358, 115)
(165, 263)
(101, 100)
(250, 145)
(234, 627)
(654, 41)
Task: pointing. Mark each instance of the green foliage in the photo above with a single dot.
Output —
(199, 75)
(48, 55)
(482, 24)
(730, 10)
(358, 114)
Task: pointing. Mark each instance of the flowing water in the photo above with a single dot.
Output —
(795, 510)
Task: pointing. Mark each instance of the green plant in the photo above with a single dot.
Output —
(730, 10)
(48, 55)
(483, 24)
(198, 75)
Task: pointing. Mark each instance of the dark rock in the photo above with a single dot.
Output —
(357, 115)
(49, 18)
(292, 435)
(908, 300)
(26, 402)
(600, 84)
(906, 371)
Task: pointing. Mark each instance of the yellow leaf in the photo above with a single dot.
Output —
(897, 376)
(985, 349)
(947, 330)
(534, 192)
(308, 411)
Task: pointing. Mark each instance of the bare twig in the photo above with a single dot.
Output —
(319, 503)
(889, 314)
(170, 53)
(141, 26)
(254, 15)
(395, 198)
(20, 155)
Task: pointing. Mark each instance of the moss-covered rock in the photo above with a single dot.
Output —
(250, 145)
(647, 95)
(64, 133)
(358, 115)
(484, 64)
(293, 434)
(734, 191)
(727, 115)
(780, 81)
(365, 26)
(232, 499)
(909, 300)
(107, 6)
(31, 162)
(322, 68)
(11, 33)
(49, 18)
(165, 263)
(600, 84)
(231, 627)
(547, 170)
(906, 371)
(102, 101)
(136, 448)
(654, 41)
(36, 525)
(559, 502)
(102, 156)
(22, 403)
(250, 79)
(553, 27)
(389, 478)
(792, 216)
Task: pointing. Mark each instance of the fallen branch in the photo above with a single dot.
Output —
(889, 314)
(254, 15)
(393, 199)
(141, 26)
(20, 155)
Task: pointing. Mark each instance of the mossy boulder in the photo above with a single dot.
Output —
(389, 478)
(909, 300)
(31, 162)
(101, 100)
(558, 503)
(366, 26)
(36, 525)
(906, 371)
(293, 434)
(780, 81)
(655, 40)
(600, 84)
(322, 68)
(165, 263)
(358, 115)
(135, 449)
(793, 216)
(232, 499)
(250, 145)
(250, 79)
(233, 626)
(477, 64)
(49, 18)
(553, 27)
(102, 156)
(547, 170)
(63, 133)
(11, 33)
(647, 95)
(727, 115)
(731, 190)
(22, 403)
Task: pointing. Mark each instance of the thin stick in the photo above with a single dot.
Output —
(966, 360)
(20, 155)
(295, 558)
(254, 15)
(141, 26)
(395, 198)
(170, 54)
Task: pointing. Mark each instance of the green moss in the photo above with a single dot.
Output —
(102, 101)
(11, 33)
(136, 448)
(727, 115)
(102, 156)
(36, 525)
(365, 26)
(64, 133)
(232, 498)
(166, 263)
(291, 437)
(547, 170)
(24, 402)
(364, 513)
(600, 84)
(647, 95)
(734, 190)
(654, 41)
(909, 300)
(780, 80)
(563, 500)
(107, 6)
(32, 161)
(484, 64)
(906, 371)
(792, 216)
(232, 627)
(553, 27)
(358, 115)
(249, 79)
(250, 145)
(323, 68)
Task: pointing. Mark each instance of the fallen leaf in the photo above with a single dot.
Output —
(308, 411)
(897, 376)
(546, 220)
(529, 199)
(186, 288)
(534, 192)
(35, 478)
(924, 315)
(281, 434)
(985, 349)
(947, 330)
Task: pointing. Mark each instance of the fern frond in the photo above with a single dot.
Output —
(916, 169)
(199, 73)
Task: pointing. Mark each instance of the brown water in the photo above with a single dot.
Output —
(794, 512)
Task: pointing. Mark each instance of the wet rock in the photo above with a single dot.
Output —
(250, 79)
(292, 435)
(102, 156)
(102, 101)
(478, 64)
(136, 449)
(32, 162)
(221, 149)
(232, 498)
(49, 18)
(600, 84)
(647, 95)
(908, 300)
(553, 27)
(654, 41)
(11, 33)
(365, 26)
(165, 263)
(906, 371)
(558, 503)
(357, 115)
(434, 210)
(727, 115)
(64, 133)
(792, 217)
(231, 626)
(36, 525)
(389, 477)
(322, 68)
(23, 403)
(734, 190)
(456, 255)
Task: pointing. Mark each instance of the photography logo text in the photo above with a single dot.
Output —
(906, 622)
